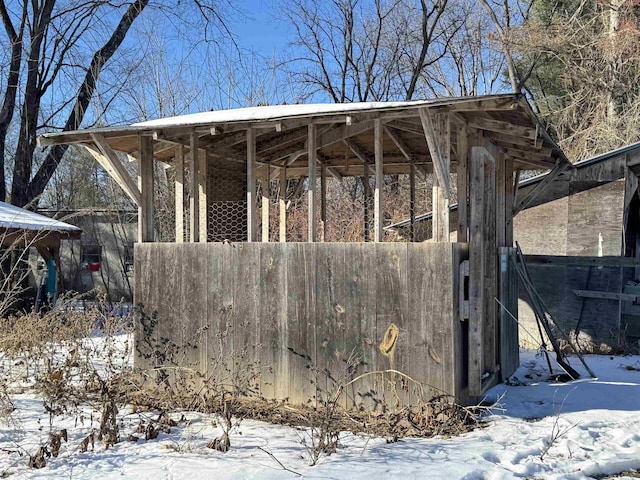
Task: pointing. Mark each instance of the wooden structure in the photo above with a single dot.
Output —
(575, 233)
(479, 143)
(25, 229)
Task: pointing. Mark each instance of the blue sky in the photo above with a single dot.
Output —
(260, 29)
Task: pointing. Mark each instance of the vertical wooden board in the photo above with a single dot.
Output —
(392, 308)
(246, 274)
(491, 272)
(192, 261)
(459, 358)
(301, 311)
(219, 309)
(352, 307)
(476, 269)
(179, 193)
(369, 390)
(419, 320)
(463, 184)
(143, 279)
(271, 304)
(329, 261)
(508, 202)
(500, 200)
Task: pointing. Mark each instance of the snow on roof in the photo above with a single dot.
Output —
(19, 218)
(273, 112)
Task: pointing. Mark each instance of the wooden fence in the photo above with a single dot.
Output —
(300, 310)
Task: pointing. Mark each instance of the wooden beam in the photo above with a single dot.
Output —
(194, 192)
(145, 169)
(441, 195)
(108, 159)
(462, 179)
(501, 127)
(500, 201)
(366, 186)
(266, 182)
(378, 200)
(323, 202)
(541, 186)
(251, 185)
(412, 204)
(509, 197)
(179, 192)
(404, 148)
(476, 270)
(202, 196)
(282, 204)
(312, 152)
(439, 166)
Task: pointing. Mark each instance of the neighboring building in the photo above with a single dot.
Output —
(103, 260)
(21, 231)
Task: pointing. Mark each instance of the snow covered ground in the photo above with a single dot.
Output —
(596, 423)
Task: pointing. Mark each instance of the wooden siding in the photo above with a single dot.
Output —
(298, 307)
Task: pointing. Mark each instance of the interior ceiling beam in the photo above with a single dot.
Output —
(501, 127)
(404, 149)
(541, 186)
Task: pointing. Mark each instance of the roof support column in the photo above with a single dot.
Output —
(462, 178)
(194, 194)
(202, 196)
(179, 193)
(145, 183)
(378, 200)
(251, 185)
(312, 154)
(282, 204)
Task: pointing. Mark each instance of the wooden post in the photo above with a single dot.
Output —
(508, 202)
(194, 195)
(145, 178)
(366, 187)
(251, 185)
(202, 194)
(282, 204)
(312, 155)
(440, 218)
(412, 203)
(378, 200)
(501, 190)
(463, 184)
(266, 183)
(476, 269)
(323, 202)
(179, 193)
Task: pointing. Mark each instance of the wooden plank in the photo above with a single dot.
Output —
(462, 148)
(476, 269)
(179, 192)
(378, 198)
(266, 183)
(504, 128)
(628, 297)
(323, 202)
(500, 199)
(194, 196)
(145, 211)
(508, 202)
(440, 204)
(392, 308)
(491, 267)
(311, 202)
(540, 187)
(561, 260)
(439, 165)
(251, 185)
(412, 204)
(108, 159)
(366, 214)
(282, 205)
(202, 194)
